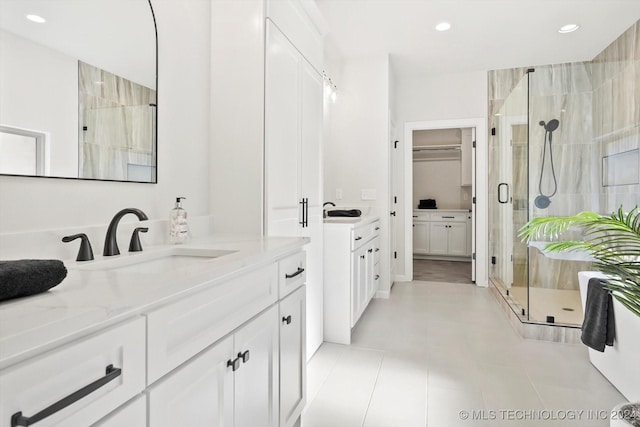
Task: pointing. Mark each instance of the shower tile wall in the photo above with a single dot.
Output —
(616, 112)
(118, 121)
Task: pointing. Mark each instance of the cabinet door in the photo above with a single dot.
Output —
(133, 413)
(282, 134)
(293, 361)
(200, 393)
(371, 279)
(256, 380)
(457, 238)
(358, 284)
(438, 236)
(420, 237)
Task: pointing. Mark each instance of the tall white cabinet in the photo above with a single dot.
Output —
(293, 149)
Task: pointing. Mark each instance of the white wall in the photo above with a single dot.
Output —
(40, 93)
(439, 97)
(440, 180)
(183, 142)
(357, 152)
(237, 115)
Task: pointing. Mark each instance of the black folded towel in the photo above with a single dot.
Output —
(346, 213)
(598, 327)
(26, 277)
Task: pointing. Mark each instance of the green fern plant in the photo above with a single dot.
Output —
(613, 241)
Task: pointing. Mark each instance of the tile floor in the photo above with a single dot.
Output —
(442, 271)
(433, 350)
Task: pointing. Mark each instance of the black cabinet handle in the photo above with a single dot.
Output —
(370, 250)
(359, 238)
(362, 256)
(305, 212)
(415, 216)
(377, 228)
(377, 249)
(235, 364)
(244, 356)
(287, 319)
(18, 419)
(292, 275)
(302, 219)
(377, 276)
(393, 213)
(448, 217)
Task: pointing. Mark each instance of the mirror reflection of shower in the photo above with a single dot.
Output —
(544, 200)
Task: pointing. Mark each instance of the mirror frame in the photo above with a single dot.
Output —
(155, 128)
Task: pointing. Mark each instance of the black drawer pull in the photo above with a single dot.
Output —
(287, 319)
(235, 364)
(362, 256)
(297, 273)
(18, 419)
(359, 238)
(377, 228)
(377, 249)
(415, 216)
(377, 276)
(370, 250)
(448, 217)
(244, 356)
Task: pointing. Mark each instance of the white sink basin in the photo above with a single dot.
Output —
(154, 261)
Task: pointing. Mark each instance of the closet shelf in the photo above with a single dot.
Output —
(426, 153)
(443, 147)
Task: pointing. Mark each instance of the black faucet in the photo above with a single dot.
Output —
(324, 211)
(110, 242)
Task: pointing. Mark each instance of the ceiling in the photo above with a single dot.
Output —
(485, 34)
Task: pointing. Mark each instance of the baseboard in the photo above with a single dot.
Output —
(383, 294)
(401, 278)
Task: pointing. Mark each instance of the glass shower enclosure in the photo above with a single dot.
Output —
(539, 163)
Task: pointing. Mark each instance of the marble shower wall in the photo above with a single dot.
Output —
(598, 106)
(616, 113)
(117, 125)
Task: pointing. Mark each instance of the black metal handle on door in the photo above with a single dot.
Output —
(393, 213)
(18, 419)
(244, 356)
(301, 203)
(506, 200)
(306, 212)
(287, 319)
(292, 275)
(235, 364)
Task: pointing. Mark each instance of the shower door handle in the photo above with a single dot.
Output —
(506, 199)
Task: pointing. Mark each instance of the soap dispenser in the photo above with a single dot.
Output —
(178, 227)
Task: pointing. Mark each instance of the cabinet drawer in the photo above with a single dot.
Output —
(363, 234)
(449, 217)
(37, 384)
(421, 216)
(292, 273)
(133, 413)
(180, 330)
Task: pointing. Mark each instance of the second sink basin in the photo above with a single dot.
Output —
(155, 261)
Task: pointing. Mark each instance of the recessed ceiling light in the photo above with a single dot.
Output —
(569, 28)
(36, 18)
(443, 26)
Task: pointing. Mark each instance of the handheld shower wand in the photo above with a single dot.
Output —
(543, 201)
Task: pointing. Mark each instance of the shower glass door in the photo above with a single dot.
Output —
(508, 199)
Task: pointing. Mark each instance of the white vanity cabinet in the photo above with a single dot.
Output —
(351, 268)
(227, 351)
(233, 383)
(85, 380)
(442, 233)
(293, 358)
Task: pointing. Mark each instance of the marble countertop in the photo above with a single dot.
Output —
(89, 300)
(350, 221)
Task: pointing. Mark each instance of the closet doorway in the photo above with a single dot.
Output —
(441, 203)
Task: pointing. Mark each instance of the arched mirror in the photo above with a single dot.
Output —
(78, 89)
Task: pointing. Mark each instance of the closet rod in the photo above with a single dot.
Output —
(436, 148)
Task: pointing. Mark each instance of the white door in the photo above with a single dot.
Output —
(457, 239)
(198, 394)
(311, 192)
(293, 361)
(438, 238)
(255, 381)
(395, 183)
(473, 205)
(420, 237)
(282, 134)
